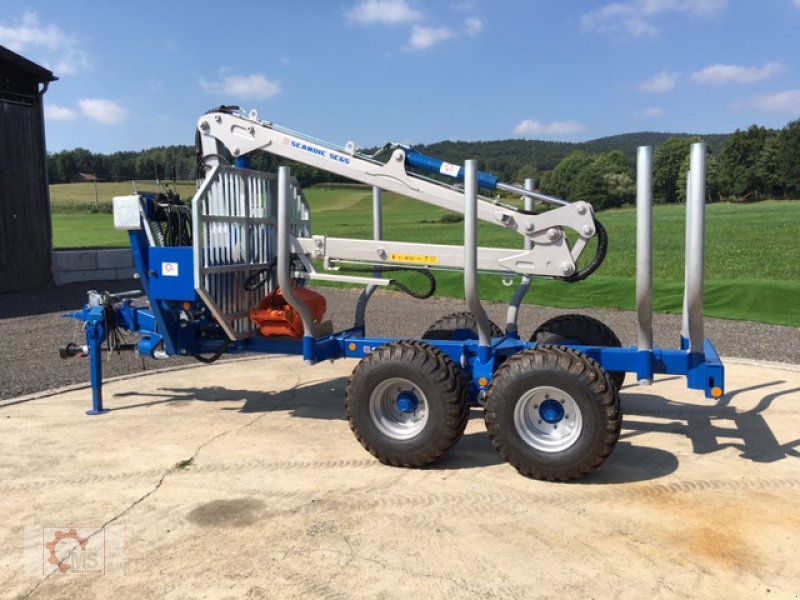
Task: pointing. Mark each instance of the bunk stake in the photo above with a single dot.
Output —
(695, 249)
(284, 259)
(512, 314)
(471, 255)
(644, 261)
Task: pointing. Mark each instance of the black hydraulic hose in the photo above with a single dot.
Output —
(213, 358)
(260, 277)
(401, 286)
(599, 257)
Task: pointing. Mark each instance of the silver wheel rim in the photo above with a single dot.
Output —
(388, 416)
(548, 419)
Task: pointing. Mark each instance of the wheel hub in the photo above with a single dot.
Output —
(398, 408)
(548, 419)
(407, 402)
(551, 411)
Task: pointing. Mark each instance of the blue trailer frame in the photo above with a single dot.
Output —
(161, 325)
(183, 319)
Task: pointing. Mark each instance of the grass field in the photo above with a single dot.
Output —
(752, 260)
(80, 198)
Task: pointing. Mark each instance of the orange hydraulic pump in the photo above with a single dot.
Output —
(275, 317)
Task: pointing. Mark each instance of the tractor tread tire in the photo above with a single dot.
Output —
(446, 392)
(585, 330)
(586, 381)
(445, 327)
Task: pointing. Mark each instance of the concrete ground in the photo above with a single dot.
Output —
(243, 480)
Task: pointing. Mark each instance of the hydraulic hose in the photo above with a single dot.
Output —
(401, 286)
(599, 257)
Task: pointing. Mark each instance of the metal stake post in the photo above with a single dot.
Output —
(377, 213)
(471, 257)
(644, 262)
(695, 250)
(377, 234)
(512, 315)
(686, 260)
(284, 260)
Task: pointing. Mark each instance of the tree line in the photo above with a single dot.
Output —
(749, 164)
(156, 163)
(165, 163)
(752, 164)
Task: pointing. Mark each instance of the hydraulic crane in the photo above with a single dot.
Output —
(230, 274)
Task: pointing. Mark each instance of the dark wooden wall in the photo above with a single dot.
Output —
(25, 229)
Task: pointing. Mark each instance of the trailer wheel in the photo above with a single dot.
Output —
(407, 404)
(458, 326)
(553, 413)
(583, 330)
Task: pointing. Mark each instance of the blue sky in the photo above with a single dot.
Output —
(133, 75)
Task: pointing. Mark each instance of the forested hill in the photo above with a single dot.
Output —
(510, 160)
(629, 142)
(516, 159)
(748, 164)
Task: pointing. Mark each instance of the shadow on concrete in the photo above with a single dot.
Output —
(632, 463)
(710, 428)
(318, 400)
(713, 427)
(472, 451)
(628, 463)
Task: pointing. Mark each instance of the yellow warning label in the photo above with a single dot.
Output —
(417, 259)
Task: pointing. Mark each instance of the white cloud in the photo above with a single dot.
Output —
(636, 16)
(383, 11)
(613, 17)
(660, 83)
(29, 32)
(255, 87)
(530, 127)
(54, 112)
(47, 44)
(469, 6)
(787, 102)
(104, 111)
(425, 37)
(720, 74)
(70, 62)
(652, 113)
(797, 3)
(474, 25)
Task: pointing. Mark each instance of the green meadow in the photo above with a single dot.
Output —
(752, 265)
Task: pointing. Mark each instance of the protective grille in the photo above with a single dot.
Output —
(235, 236)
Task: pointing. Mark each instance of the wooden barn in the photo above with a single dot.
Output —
(26, 238)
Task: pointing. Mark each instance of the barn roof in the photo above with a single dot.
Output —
(39, 73)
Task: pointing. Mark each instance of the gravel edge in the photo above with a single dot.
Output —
(32, 328)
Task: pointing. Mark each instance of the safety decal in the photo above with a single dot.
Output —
(419, 259)
(449, 169)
